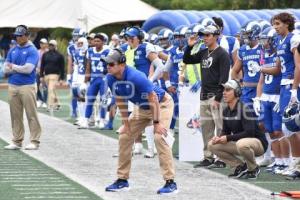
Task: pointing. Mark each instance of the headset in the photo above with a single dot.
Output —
(238, 90)
(122, 59)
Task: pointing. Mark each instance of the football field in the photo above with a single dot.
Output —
(78, 164)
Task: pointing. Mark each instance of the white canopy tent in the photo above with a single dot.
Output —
(86, 14)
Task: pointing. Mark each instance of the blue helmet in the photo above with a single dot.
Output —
(165, 37)
(291, 117)
(269, 35)
(207, 21)
(105, 36)
(250, 31)
(264, 24)
(297, 25)
(194, 29)
(179, 36)
(153, 38)
(77, 33)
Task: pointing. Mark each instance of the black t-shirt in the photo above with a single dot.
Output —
(215, 66)
(241, 122)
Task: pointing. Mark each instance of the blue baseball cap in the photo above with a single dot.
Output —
(21, 30)
(132, 32)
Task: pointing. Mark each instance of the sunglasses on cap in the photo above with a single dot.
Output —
(111, 64)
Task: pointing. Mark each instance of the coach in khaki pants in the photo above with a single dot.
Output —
(153, 104)
(20, 68)
(52, 70)
(240, 135)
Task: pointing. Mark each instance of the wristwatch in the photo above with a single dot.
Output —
(155, 121)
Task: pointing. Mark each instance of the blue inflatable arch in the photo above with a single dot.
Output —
(240, 17)
(234, 24)
(165, 19)
(233, 20)
(250, 15)
(192, 17)
(199, 14)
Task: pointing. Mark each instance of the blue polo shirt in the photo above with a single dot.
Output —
(134, 86)
(20, 56)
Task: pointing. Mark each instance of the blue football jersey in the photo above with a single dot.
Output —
(79, 60)
(249, 57)
(272, 82)
(98, 67)
(286, 56)
(71, 50)
(141, 62)
(176, 56)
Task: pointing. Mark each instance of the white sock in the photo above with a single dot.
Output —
(149, 131)
(267, 154)
(81, 108)
(286, 161)
(278, 161)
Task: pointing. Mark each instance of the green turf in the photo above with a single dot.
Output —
(23, 177)
(267, 181)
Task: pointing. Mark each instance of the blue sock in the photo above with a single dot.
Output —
(74, 107)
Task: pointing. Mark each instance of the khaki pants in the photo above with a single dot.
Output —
(138, 120)
(51, 81)
(210, 120)
(20, 98)
(247, 148)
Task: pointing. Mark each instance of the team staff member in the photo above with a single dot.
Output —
(152, 104)
(20, 66)
(215, 65)
(52, 70)
(240, 135)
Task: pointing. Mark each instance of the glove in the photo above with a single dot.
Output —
(194, 88)
(293, 98)
(256, 105)
(255, 67)
(83, 87)
(276, 108)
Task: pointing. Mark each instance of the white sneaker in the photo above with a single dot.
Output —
(150, 153)
(265, 162)
(84, 124)
(291, 169)
(138, 148)
(12, 146)
(100, 124)
(39, 104)
(44, 105)
(32, 146)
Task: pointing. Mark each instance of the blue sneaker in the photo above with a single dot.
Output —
(169, 188)
(107, 127)
(118, 185)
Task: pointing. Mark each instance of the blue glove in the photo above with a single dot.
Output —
(194, 88)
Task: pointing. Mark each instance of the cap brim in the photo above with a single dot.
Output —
(18, 34)
(227, 86)
(204, 33)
